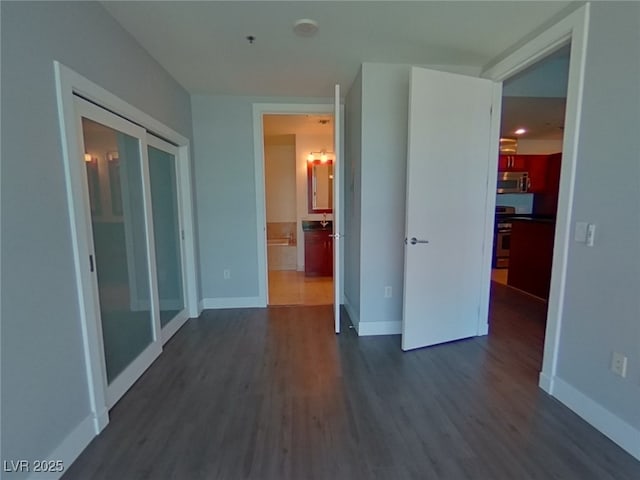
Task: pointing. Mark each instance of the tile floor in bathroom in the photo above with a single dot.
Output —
(290, 287)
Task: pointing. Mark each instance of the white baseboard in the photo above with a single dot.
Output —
(234, 302)
(483, 330)
(355, 320)
(379, 328)
(545, 382)
(70, 448)
(365, 329)
(602, 419)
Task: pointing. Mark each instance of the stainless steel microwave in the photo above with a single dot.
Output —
(513, 182)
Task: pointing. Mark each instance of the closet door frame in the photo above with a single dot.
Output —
(70, 84)
(174, 325)
(125, 379)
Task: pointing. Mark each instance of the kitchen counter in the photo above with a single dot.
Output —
(531, 254)
(532, 218)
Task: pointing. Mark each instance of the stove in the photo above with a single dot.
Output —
(502, 236)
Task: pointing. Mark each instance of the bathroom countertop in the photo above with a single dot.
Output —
(312, 225)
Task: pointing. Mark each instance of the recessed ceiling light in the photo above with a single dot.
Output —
(305, 27)
(520, 131)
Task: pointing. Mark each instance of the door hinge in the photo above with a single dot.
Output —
(91, 267)
(182, 234)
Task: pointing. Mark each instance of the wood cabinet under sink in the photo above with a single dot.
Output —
(318, 252)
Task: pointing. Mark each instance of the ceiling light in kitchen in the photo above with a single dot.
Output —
(305, 27)
(508, 146)
(520, 131)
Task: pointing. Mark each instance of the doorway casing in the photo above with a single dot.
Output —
(572, 29)
(259, 110)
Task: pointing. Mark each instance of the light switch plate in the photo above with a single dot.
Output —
(580, 234)
(591, 234)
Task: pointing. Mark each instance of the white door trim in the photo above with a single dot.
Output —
(574, 29)
(126, 378)
(174, 325)
(69, 83)
(337, 208)
(259, 110)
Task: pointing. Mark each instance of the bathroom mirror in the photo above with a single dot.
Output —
(320, 186)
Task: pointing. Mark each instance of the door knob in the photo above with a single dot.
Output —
(414, 240)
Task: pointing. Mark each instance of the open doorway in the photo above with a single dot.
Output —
(298, 170)
(532, 133)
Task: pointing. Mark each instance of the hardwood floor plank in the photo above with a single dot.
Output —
(275, 394)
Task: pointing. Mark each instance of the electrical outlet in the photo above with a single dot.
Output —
(226, 273)
(387, 292)
(619, 364)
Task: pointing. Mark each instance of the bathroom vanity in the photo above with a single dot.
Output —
(318, 248)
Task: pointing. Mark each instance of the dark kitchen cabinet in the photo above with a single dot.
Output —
(534, 165)
(511, 163)
(318, 253)
(531, 255)
(546, 199)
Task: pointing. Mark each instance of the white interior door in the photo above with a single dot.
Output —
(337, 201)
(449, 144)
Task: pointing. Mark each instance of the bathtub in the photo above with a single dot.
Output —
(281, 253)
(282, 241)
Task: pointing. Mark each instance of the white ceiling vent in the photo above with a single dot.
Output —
(305, 27)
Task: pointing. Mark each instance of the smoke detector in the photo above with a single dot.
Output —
(305, 27)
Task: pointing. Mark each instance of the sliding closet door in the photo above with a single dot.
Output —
(125, 303)
(163, 174)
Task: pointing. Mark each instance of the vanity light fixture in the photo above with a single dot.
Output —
(323, 156)
(87, 157)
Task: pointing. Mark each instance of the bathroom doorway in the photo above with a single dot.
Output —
(298, 158)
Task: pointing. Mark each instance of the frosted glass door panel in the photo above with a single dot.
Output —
(166, 231)
(118, 224)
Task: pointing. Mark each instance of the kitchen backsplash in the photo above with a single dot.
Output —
(523, 202)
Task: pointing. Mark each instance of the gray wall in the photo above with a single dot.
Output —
(44, 387)
(385, 101)
(352, 197)
(377, 109)
(225, 186)
(602, 309)
(547, 78)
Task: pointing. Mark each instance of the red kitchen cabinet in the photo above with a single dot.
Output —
(546, 200)
(531, 256)
(503, 162)
(535, 165)
(512, 163)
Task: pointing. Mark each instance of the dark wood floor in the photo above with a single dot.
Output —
(274, 394)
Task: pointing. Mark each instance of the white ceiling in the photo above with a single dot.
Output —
(297, 124)
(543, 118)
(202, 44)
